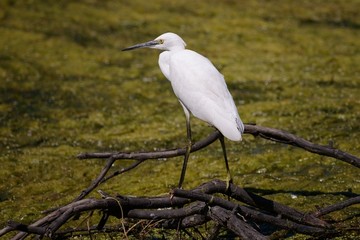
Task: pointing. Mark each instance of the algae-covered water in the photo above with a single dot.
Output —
(66, 88)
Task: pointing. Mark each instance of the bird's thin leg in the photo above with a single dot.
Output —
(228, 174)
(188, 148)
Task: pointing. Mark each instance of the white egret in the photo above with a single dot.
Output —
(200, 89)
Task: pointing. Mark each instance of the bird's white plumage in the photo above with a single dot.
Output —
(201, 88)
(203, 91)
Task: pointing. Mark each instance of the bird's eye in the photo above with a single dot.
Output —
(161, 41)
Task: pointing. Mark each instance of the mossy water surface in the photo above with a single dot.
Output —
(66, 88)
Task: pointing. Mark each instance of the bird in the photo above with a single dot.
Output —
(201, 90)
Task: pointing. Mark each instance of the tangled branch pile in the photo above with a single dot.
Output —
(213, 206)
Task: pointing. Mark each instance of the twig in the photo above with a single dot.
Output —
(337, 206)
(155, 154)
(288, 138)
(98, 180)
(140, 157)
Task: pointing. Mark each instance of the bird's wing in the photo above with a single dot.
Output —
(202, 89)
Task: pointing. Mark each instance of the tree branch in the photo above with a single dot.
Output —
(255, 130)
(288, 138)
(187, 205)
(185, 209)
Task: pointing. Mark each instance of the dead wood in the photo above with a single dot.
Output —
(236, 209)
(187, 208)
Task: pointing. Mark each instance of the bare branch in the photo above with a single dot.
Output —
(288, 138)
(202, 199)
(264, 132)
(155, 154)
(337, 206)
(184, 209)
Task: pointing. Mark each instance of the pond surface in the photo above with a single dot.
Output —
(66, 88)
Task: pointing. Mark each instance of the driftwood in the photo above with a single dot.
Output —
(235, 209)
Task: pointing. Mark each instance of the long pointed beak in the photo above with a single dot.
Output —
(142, 45)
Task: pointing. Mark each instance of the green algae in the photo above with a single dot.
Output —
(66, 88)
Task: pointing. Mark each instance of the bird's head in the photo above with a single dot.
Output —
(167, 42)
